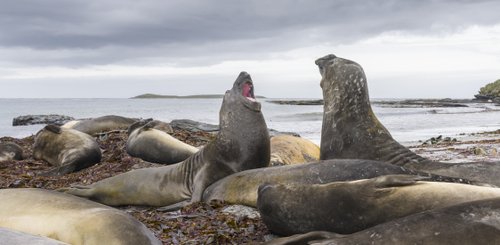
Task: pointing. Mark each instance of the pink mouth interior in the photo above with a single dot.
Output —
(247, 88)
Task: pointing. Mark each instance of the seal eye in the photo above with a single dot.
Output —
(247, 91)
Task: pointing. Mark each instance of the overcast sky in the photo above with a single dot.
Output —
(120, 48)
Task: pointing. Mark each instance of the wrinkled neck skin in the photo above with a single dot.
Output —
(243, 140)
(350, 128)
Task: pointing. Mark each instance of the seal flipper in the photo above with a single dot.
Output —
(61, 170)
(53, 128)
(175, 206)
(387, 181)
(313, 236)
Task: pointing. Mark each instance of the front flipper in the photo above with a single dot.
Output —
(387, 181)
(78, 190)
(175, 206)
(60, 171)
(303, 238)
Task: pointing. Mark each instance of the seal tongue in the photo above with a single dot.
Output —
(247, 91)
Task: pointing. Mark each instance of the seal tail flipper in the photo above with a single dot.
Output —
(314, 236)
(387, 181)
(175, 206)
(78, 190)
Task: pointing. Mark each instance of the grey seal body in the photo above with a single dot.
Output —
(242, 188)
(69, 219)
(468, 223)
(68, 150)
(101, 124)
(351, 129)
(348, 207)
(10, 151)
(242, 143)
(152, 142)
(289, 149)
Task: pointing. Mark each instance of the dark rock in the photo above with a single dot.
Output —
(193, 126)
(297, 102)
(41, 119)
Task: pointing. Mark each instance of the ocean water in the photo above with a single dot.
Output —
(407, 125)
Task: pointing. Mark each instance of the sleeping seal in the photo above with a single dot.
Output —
(67, 149)
(351, 129)
(152, 142)
(242, 187)
(288, 149)
(10, 151)
(347, 207)
(242, 143)
(468, 223)
(101, 124)
(69, 219)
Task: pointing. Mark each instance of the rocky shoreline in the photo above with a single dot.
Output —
(202, 223)
(408, 103)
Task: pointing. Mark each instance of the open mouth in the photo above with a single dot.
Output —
(248, 91)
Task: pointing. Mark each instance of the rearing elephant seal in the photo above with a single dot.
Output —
(468, 223)
(69, 219)
(151, 142)
(101, 124)
(347, 207)
(351, 129)
(10, 151)
(242, 143)
(67, 149)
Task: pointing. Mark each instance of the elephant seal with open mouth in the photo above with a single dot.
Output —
(242, 143)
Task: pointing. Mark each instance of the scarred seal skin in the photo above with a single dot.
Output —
(69, 219)
(351, 206)
(351, 130)
(68, 150)
(242, 143)
(467, 223)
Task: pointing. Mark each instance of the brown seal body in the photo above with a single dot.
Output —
(352, 131)
(152, 142)
(468, 223)
(69, 219)
(101, 124)
(10, 151)
(242, 188)
(13, 237)
(348, 207)
(67, 149)
(289, 149)
(242, 143)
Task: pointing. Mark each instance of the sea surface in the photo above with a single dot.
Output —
(407, 125)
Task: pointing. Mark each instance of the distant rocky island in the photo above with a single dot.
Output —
(197, 96)
(490, 92)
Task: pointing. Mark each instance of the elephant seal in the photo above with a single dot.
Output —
(69, 219)
(468, 223)
(351, 129)
(351, 206)
(242, 187)
(101, 124)
(12, 237)
(242, 143)
(10, 151)
(288, 149)
(67, 149)
(151, 142)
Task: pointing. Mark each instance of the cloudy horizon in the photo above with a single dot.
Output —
(119, 49)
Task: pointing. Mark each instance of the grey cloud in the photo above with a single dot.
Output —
(123, 31)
